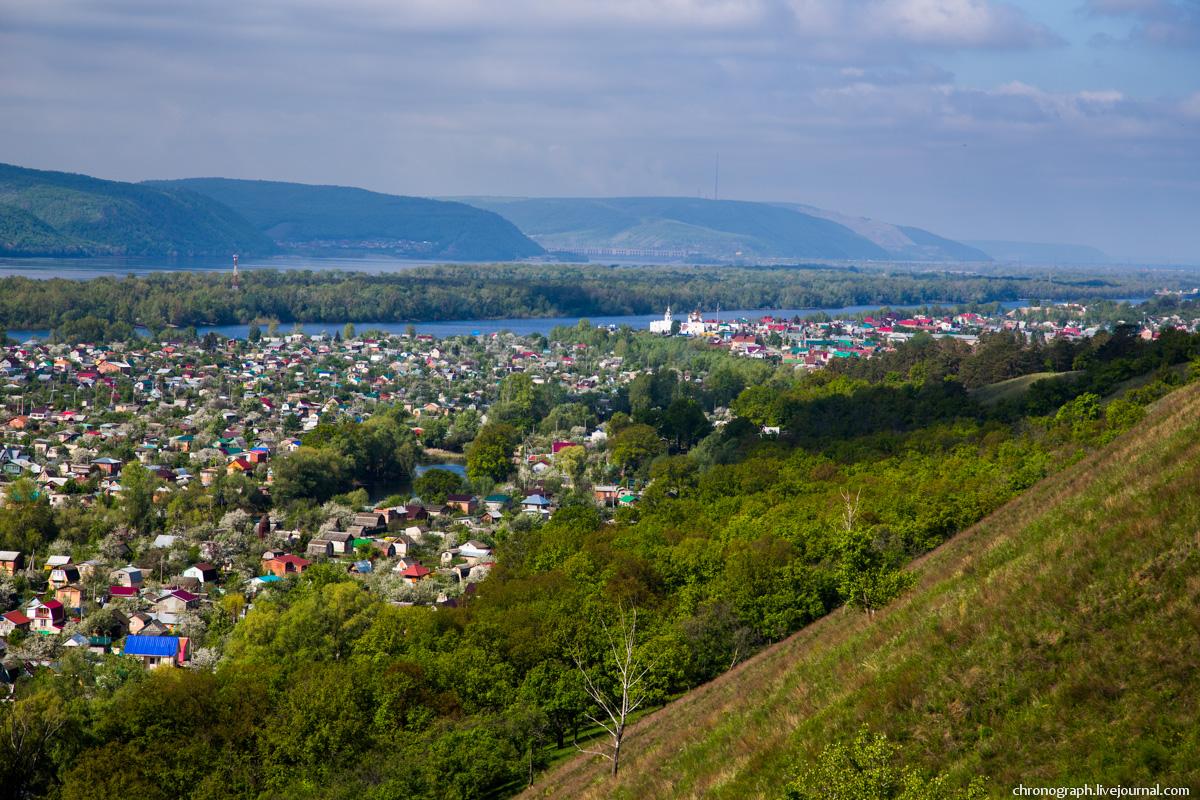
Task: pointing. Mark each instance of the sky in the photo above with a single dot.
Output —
(1075, 121)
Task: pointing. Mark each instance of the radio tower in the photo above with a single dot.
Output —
(235, 272)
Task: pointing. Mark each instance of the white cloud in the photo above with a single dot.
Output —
(951, 24)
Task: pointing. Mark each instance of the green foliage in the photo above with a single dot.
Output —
(433, 485)
(27, 522)
(309, 474)
(466, 291)
(489, 456)
(137, 497)
(310, 216)
(634, 446)
(57, 213)
(868, 769)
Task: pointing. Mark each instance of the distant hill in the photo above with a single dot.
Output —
(1042, 252)
(680, 227)
(63, 214)
(329, 218)
(903, 242)
(1052, 644)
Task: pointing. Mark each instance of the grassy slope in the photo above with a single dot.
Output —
(1013, 388)
(1056, 642)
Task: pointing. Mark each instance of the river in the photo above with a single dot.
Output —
(521, 326)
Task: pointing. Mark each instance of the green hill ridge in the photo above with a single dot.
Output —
(1055, 643)
(46, 213)
(330, 218)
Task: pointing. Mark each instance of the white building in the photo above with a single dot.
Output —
(663, 325)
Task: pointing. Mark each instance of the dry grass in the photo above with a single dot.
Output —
(1056, 641)
(1013, 388)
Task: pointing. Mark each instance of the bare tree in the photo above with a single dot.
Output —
(850, 511)
(626, 696)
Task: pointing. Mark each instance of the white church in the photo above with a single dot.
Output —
(663, 325)
(694, 326)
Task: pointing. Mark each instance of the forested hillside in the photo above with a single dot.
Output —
(332, 218)
(1052, 644)
(57, 213)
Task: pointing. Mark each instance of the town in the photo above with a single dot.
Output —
(181, 452)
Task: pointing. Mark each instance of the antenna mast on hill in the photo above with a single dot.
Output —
(717, 177)
(235, 272)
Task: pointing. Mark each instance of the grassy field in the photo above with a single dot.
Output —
(1057, 642)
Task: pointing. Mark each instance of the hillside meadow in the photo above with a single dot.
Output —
(1053, 643)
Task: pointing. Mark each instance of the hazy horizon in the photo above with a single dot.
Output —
(1065, 122)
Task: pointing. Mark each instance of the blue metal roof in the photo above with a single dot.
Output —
(161, 646)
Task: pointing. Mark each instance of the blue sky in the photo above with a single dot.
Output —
(1074, 121)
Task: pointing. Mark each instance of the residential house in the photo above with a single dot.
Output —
(139, 621)
(319, 548)
(47, 617)
(283, 565)
(157, 651)
(497, 502)
(403, 544)
(128, 575)
(463, 503)
(122, 592)
(416, 573)
(203, 572)
(11, 562)
(176, 602)
(13, 621)
(56, 561)
(342, 541)
(372, 522)
(536, 504)
(61, 576)
(475, 550)
(70, 596)
(108, 466)
(606, 494)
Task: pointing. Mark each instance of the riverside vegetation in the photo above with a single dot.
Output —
(109, 308)
(325, 690)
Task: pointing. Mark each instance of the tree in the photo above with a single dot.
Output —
(434, 485)
(620, 692)
(26, 519)
(634, 446)
(137, 497)
(490, 454)
(348, 331)
(572, 461)
(865, 579)
(684, 423)
(254, 334)
(867, 769)
(309, 473)
(30, 731)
